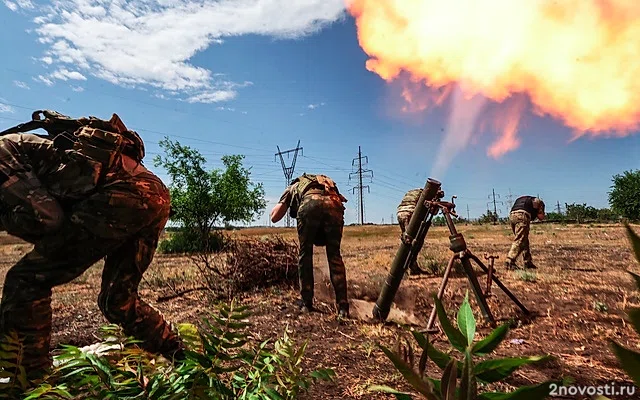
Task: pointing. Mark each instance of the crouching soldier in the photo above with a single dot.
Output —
(119, 218)
(405, 211)
(317, 205)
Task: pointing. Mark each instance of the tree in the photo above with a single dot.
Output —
(489, 217)
(624, 197)
(199, 198)
(581, 212)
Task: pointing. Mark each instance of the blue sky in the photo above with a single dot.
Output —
(242, 77)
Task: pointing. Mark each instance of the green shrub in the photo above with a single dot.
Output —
(460, 379)
(629, 359)
(189, 241)
(221, 363)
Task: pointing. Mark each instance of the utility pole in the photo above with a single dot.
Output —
(495, 207)
(468, 217)
(558, 206)
(360, 172)
(288, 171)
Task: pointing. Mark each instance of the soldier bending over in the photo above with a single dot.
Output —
(316, 203)
(119, 218)
(524, 210)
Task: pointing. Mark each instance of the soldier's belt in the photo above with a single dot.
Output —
(521, 212)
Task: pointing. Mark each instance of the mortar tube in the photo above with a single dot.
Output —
(396, 273)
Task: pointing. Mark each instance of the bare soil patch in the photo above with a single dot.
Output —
(579, 295)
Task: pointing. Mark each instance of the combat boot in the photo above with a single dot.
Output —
(343, 311)
(416, 270)
(510, 264)
(530, 265)
(304, 306)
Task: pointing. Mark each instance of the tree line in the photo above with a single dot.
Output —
(203, 200)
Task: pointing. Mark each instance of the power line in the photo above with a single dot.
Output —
(359, 172)
(510, 199)
(288, 171)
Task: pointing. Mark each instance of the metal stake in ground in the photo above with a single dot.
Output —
(459, 247)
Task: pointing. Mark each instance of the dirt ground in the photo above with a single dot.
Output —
(578, 295)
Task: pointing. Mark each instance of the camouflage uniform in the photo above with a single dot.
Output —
(404, 213)
(29, 208)
(121, 221)
(524, 210)
(320, 221)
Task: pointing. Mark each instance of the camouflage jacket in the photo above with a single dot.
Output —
(67, 175)
(409, 201)
(294, 194)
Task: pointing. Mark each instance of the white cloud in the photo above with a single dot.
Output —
(215, 96)
(151, 42)
(77, 88)
(11, 5)
(64, 75)
(314, 106)
(21, 85)
(225, 109)
(16, 4)
(43, 79)
(5, 108)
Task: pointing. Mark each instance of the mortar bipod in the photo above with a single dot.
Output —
(460, 252)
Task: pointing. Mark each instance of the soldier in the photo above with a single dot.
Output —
(316, 203)
(524, 210)
(404, 213)
(120, 220)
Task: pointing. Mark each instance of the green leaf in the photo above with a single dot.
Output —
(449, 379)
(630, 361)
(495, 370)
(491, 342)
(387, 389)
(408, 373)
(420, 338)
(533, 392)
(441, 359)
(456, 338)
(468, 384)
(273, 394)
(466, 321)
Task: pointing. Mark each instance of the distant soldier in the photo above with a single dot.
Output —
(316, 203)
(405, 211)
(524, 210)
(120, 219)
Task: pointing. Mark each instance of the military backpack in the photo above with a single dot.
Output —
(97, 139)
(306, 182)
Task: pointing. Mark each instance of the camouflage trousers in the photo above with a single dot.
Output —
(403, 220)
(116, 224)
(520, 224)
(320, 221)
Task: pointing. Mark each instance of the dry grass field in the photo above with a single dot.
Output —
(579, 295)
